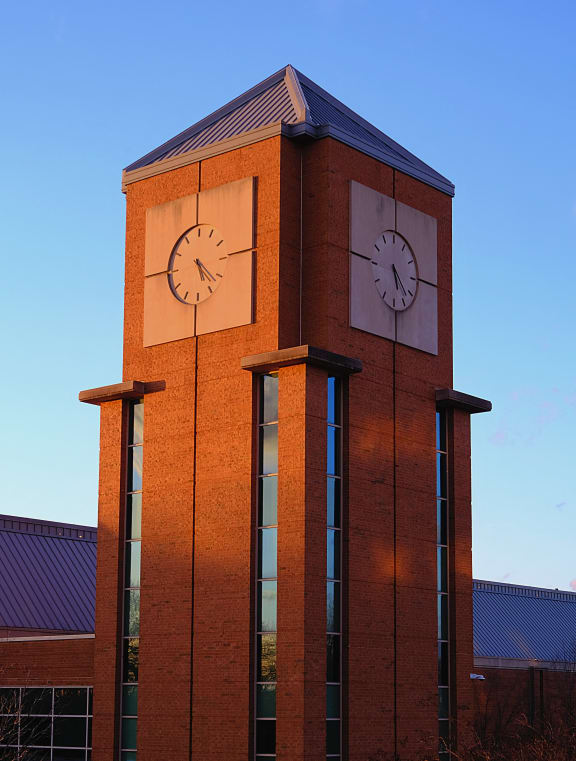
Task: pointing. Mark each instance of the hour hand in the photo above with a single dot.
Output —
(198, 264)
(398, 280)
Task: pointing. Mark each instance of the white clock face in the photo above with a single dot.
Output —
(394, 270)
(197, 264)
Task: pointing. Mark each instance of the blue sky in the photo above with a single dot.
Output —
(484, 92)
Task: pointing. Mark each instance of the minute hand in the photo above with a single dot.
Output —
(210, 275)
(397, 276)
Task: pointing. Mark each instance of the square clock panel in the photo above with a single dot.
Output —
(199, 263)
(393, 270)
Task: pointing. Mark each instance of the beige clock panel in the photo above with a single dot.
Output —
(371, 214)
(229, 209)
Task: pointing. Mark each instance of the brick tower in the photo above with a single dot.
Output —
(284, 553)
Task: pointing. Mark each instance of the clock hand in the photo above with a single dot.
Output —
(197, 261)
(397, 276)
(207, 271)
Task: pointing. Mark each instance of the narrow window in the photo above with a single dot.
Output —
(131, 618)
(334, 572)
(442, 538)
(266, 572)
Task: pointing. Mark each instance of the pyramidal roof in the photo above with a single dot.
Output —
(286, 103)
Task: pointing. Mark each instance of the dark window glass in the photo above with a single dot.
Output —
(132, 612)
(68, 755)
(333, 501)
(267, 606)
(333, 701)
(9, 700)
(269, 409)
(333, 400)
(442, 520)
(9, 729)
(332, 737)
(131, 653)
(71, 701)
(266, 658)
(268, 502)
(333, 606)
(333, 451)
(440, 431)
(89, 732)
(70, 733)
(332, 658)
(37, 754)
(35, 730)
(332, 554)
(265, 736)
(130, 700)
(129, 732)
(442, 616)
(90, 700)
(37, 701)
(443, 702)
(267, 553)
(269, 449)
(129, 755)
(443, 663)
(441, 490)
(443, 734)
(135, 455)
(442, 569)
(137, 423)
(266, 701)
(132, 565)
(134, 516)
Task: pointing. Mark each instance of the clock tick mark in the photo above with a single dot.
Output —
(197, 297)
(176, 252)
(403, 247)
(222, 257)
(384, 239)
(185, 295)
(393, 238)
(411, 260)
(403, 302)
(211, 233)
(199, 231)
(219, 275)
(412, 278)
(377, 280)
(222, 241)
(187, 241)
(177, 286)
(210, 289)
(376, 247)
(410, 292)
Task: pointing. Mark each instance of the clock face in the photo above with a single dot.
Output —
(197, 264)
(394, 270)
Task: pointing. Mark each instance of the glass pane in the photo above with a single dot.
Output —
(441, 431)
(130, 700)
(89, 732)
(90, 701)
(265, 736)
(333, 415)
(67, 755)
(268, 501)
(443, 735)
(132, 564)
(269, 449)
(70, 733)
(129, 732)
(9, 729)
(333, 606)
(71, 700)
(137, 423)
(9, 700)
(129, 755)
(442, 521)
(267, 568)
(443, 703)
(332, 658)
(333, 554)
(441, 490)
(135, 455)
(266, 701)
(37, 701)
(442, 553)
(333, 451)
(134, 516)
(332, 737)
(333, 701)
(266, 666)
(131, 653)
(269, 411)
(38, 755)
(442, 616)
(35, 730)
(442, 663)
(132, 612)
(333, 501)
(267, 606)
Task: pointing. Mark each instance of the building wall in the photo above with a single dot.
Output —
(55, 662)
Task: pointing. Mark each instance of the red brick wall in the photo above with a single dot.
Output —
(47, 662)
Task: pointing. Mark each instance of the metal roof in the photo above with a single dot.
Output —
(528, 623)
(47, 575)
(298, 108)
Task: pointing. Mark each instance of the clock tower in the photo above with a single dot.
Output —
(284, 553)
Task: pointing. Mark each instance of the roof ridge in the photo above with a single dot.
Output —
(520, 590)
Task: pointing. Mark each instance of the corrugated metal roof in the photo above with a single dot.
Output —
(47, 575)
(302, 108)
(529, 623)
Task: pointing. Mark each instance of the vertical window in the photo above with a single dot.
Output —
(131, 619)
(266, 572)
(334, 572)
(442, 538)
